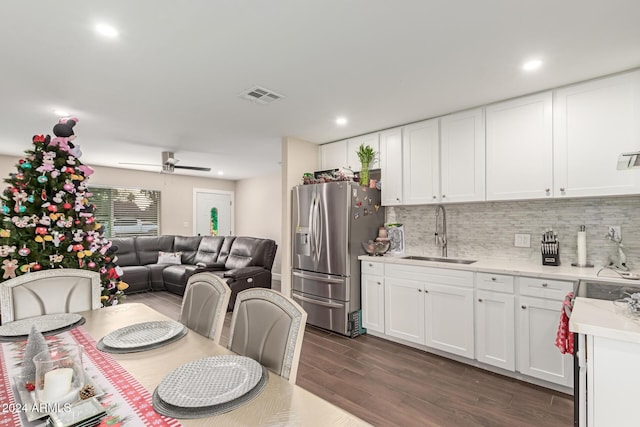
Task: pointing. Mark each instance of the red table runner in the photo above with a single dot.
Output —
(126, 401)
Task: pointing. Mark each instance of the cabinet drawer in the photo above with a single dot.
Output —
(375, 268)
(440, 276)
(495, 282)
(545, 288)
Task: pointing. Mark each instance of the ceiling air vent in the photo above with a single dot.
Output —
(260, 95)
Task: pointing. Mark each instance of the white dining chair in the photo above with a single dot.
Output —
(268, 327)
(61, 290)
(204, 304)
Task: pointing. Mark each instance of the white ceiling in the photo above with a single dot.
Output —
(171, 80)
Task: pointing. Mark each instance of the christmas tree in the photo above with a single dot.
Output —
(48, 221)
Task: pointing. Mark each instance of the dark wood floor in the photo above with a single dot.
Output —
(388, 384)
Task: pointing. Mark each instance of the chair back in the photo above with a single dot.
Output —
(204, 304)
(61, 290)
(268, 327)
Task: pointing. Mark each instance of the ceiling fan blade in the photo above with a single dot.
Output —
(139, 164)
(193, 168)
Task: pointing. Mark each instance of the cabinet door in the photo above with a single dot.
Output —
(495, 329)
(404, 309)
(594, 122)
(353, 161)
(420, 162)
(391, 166)
(449, 319)
(333, 155)
(372, 288)
(519, 148)
(537, 354)
(462, 152)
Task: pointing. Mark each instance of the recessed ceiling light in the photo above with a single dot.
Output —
(220, 173)
(341, 121)
(532, 65)
(106, 30)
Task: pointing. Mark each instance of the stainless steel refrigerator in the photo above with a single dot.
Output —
(330, 222)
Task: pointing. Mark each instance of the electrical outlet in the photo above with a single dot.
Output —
(522, 241)
(614, 233)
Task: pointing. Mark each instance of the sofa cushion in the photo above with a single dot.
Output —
(137, 277)
(248, 251)
(225, 249)
(126, 252)
(175, 277)
(188, 245)
(155, 276)
(149, 246)
(208, 250)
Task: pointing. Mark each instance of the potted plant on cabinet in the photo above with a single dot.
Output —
(366, 156)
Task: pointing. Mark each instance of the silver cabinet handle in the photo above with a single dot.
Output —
(479, 299)
(419, 290)
(313, 301)
(379, 283)
(524, 307)
(562, 189)
(544, 285)
(493, 279)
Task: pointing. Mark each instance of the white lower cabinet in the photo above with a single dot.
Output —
(449, 319)
(506, 321)
(495, 329)
(372, 288)
(404, 309)
(538, 324)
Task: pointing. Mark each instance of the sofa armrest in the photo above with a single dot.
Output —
(246, 272)
(213, 266)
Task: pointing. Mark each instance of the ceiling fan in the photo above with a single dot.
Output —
(170, 163)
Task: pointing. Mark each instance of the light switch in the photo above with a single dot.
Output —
(522, 241)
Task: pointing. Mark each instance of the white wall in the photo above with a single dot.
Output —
(176, 211)
(298, 157)
(258, 211)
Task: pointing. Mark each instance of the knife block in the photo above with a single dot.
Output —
(552, 259)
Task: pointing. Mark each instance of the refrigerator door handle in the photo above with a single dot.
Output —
(315, 301)
(317, 231)
(322, 279)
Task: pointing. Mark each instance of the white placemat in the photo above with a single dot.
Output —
(210, 381)
(45, 323)
(143, 334)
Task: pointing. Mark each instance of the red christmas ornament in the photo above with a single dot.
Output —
(67, 206)
(21, 161)
(41, 230)
(77, 222)
(52, 208)
(37, 266)
(107, 259)
(30, 386)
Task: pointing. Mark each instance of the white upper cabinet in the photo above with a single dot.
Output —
(372, 140)
(333, 155)
(391, 166)
(519, 148)
(420, 162)
(593, 123)
(462, 151)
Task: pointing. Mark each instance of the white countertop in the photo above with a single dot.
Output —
(602, 319)
(513, 267)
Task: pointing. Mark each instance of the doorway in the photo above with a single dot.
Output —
(212, 212)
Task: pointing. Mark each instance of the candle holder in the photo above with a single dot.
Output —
(59, 374)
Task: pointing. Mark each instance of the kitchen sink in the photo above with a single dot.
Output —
(438, 259)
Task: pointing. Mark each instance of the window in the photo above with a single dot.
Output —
(127, 211)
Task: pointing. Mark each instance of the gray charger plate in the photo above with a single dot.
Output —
(166, 409)
(102, 347)
(4, 338)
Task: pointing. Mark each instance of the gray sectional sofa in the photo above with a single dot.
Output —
(245, 262)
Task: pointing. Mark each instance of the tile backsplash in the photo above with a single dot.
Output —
(487, 229)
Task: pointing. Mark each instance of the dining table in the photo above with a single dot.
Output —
(280, 403)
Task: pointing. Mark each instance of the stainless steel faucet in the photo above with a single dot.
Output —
(441, 229)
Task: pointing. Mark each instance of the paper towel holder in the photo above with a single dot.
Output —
(581, 232)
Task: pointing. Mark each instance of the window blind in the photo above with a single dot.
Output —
(127, 212)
